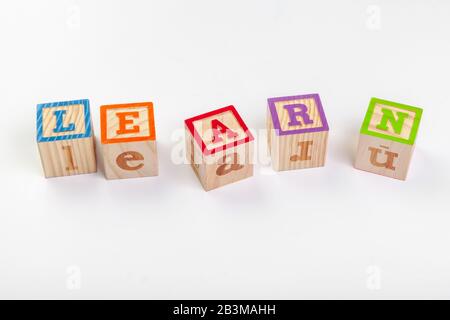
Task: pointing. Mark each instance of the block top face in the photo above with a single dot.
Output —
(219, 130)
(392, 121)
(127, 123)
(66, 120)
(297, 114)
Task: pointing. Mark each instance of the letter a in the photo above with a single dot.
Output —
(228, 167)
(218, 129)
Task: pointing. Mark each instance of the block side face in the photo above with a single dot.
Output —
(130, 160)
(392, 121)
(270, 130)
(383, 157)
(133, 122)
(65, 120)
(229, 166)
(219, 130)
(301, 151)
(297, 114)
(194, 156)
(68, 157)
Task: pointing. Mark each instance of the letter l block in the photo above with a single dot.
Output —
(65, 138)
(297, 132)
(129, 140)
(387, 139)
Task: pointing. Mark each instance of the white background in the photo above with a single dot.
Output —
(333, 232)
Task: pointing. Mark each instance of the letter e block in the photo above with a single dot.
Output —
(219, 148)
(129, 140)
(387, 138)
(65, 138)
(297, 132)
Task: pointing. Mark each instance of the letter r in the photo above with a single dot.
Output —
(295, 111)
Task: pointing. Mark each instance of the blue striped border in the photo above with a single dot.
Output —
(87, 120)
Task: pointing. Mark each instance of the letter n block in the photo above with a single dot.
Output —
(297, 132)
(65, 138)
(129, 140)
(387, 138)
(219, 148)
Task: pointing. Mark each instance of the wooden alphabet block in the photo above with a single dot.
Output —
(219, 148)
(297, 132)
(387, 138)
(129, 140)
(65, 138)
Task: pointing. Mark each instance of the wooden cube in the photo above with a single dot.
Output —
(65, 138)
(219, 147)
(129, 140)
(297, 132)
(387, 138)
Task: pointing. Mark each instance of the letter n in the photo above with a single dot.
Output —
(396, 123)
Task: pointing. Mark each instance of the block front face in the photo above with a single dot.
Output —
(392, 121)
(297, 114)
(130, 160)
(218, 130)
(63, 121)
(229, 166)
(68, 157)
(297, 132)
(219, 148)
(301, 151)
(384, 157)
(222, 168)
(129, 140)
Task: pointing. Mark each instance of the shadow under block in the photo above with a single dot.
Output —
(65, 138)
(387, 138)
(129, 141)
(219, 147)
(297, 132)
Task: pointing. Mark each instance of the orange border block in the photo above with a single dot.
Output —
(104, 126)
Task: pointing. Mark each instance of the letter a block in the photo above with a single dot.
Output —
(297, 132)
(387, 138)
(129, 140)
(65, 138)
(219, 148)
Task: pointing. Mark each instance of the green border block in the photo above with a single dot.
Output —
(414, 129)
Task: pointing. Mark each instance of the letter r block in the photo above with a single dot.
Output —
(387, 138)
(297, 132)
(129, 140)
(219, 148)
(65, 138)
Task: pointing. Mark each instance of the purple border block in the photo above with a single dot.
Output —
(276, 119)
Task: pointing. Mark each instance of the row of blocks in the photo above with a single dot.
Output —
(219, 145)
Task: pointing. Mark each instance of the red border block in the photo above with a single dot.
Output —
(190, 125)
